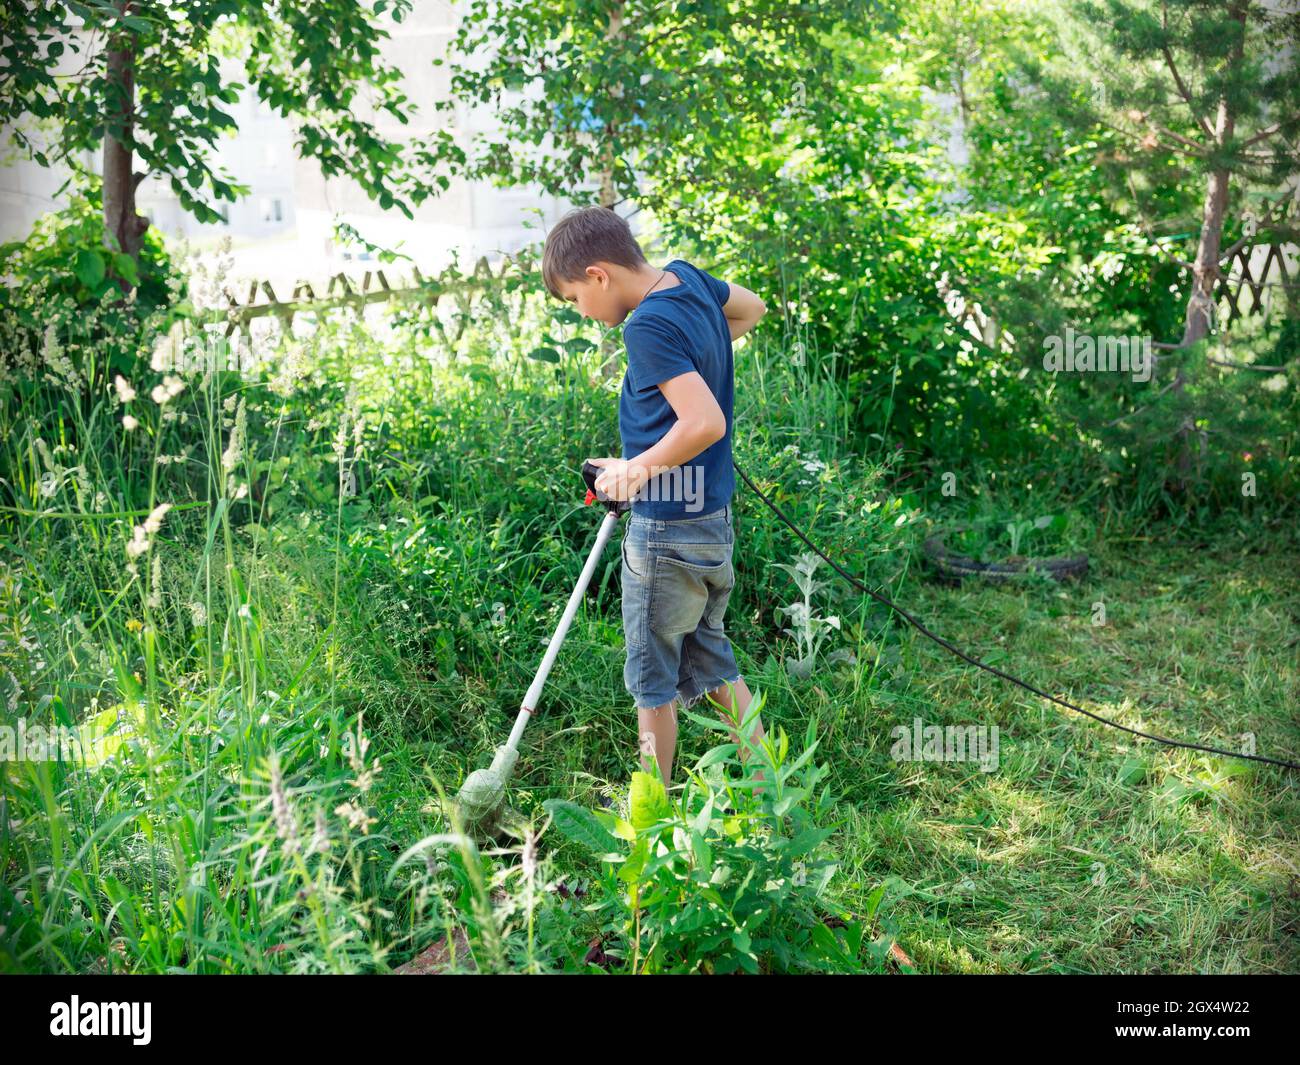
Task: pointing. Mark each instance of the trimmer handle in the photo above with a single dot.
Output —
(590, 472)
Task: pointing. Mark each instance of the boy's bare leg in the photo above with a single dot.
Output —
(657, 727)
(734, 708)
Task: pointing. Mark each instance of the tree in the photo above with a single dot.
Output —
(147, 91)
(604, 89)
(616, 86)
(1203, 98)
(1215, 86)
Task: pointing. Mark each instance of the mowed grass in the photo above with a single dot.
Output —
(1088, 849)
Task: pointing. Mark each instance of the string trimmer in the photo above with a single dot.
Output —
(479, 800)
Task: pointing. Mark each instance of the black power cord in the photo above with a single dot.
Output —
(991, 669)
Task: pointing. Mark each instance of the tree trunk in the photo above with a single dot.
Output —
(123, 228)
(608, 349)
(1205, 271)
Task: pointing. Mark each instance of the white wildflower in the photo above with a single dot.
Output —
(155, 519)
(124, 390)
(166, 347)
(43, 449)
(138, 546)
(286, 824)
(154, 602)
(340, 444)
(234, 453)
(320, 840)
(129, 423)
(356, 816)
(140, 541)
(292, 369)
(198, 615)
(171, 387)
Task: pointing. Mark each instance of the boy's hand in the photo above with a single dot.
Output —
(619, 479)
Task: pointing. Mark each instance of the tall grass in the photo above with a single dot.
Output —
(365, 546)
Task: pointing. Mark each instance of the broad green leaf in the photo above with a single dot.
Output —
(630, 872)
(702, 851)
(89, 268)
(580, 825)
(700, 823)
(648, 800)
(807, 840)
(124, 267)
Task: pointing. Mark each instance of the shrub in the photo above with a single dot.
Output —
(725, 879)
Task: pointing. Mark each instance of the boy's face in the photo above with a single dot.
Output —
(595, 297)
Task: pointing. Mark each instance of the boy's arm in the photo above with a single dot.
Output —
(700, 424)
(743, 309)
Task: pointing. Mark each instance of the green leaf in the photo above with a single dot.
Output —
(648, 801)
(807, 840)
(826, 941)
(716, 754)
(702, 851)
(630, 873)
(125, 268)
(700, 823)
(787, 800)
(873, 900)
(89, 268)
(544, 355)
(580, 825)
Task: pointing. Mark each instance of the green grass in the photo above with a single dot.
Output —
(411, 616)
(1194, 855)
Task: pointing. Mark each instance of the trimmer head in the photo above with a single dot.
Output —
(480, 798)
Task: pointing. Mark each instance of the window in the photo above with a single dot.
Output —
(272, 210)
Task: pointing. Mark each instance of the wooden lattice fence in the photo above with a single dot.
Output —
(375, 286)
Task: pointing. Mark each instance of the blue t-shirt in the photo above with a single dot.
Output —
(674, 331)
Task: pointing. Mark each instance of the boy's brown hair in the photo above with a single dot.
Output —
(587, 235)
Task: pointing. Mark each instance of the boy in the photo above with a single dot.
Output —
(675, 419)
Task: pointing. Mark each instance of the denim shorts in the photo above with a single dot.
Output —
(677, 579)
